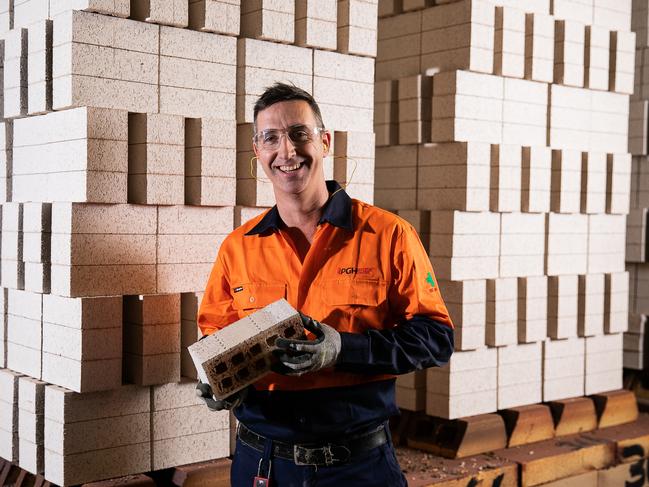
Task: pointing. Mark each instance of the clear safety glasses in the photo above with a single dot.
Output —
(270, 139)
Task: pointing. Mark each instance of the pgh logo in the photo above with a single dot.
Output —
(354, 270)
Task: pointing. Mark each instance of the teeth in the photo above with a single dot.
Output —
(291, 168)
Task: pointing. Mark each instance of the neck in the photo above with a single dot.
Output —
(303, 209)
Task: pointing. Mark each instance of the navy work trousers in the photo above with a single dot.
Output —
(376, 468)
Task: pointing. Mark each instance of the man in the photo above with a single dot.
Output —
(367, 291)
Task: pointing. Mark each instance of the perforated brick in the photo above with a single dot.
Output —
(240, 353)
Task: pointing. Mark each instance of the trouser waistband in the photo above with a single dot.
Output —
(333, 453)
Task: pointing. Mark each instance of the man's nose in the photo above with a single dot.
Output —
(286, 148)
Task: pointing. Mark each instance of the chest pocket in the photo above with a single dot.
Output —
(355, 292)
(255, 295)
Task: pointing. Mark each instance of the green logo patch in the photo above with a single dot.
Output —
(430, 280)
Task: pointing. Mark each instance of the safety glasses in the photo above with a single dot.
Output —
(270, 139)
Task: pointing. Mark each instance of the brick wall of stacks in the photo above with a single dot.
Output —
(636, 345)
(502, 135)
(126, 146)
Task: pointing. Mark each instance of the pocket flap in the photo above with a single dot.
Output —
(257, 294)
(364, 292)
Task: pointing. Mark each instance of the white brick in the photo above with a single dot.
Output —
(218, 16)
(539, 47)
(567, 244)
(616, 302)
(15, 73)
(536, 179)
(522, 244)
(563, 368)
(562, 306)
(502, 312)
(532, 309)
(591, 305)
(130, 72)
(606, 243)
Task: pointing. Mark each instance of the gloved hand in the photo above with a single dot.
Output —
(204, 391)
(298, 357)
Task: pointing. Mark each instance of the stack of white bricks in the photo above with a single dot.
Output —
(96, 434)
(9, 414)
(635, 343)
(469, 381)
(37, 229)
(125, 160)
(518, 156)
(184, 430)
(637, 264)
(152, 339)
(31, 417)
(189, 332)
(25, 332)
(82, 342)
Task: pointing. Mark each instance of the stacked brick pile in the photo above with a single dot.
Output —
(125, 161)
(635, 339)
(501, 131)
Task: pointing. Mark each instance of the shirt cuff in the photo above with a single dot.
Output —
(354, 349)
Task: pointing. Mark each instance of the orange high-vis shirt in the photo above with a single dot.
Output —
(366, 269)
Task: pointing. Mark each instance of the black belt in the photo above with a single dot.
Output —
(317, 454)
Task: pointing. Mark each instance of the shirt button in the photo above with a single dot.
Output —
(252, 299)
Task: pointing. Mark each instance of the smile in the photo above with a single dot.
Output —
(295, 167)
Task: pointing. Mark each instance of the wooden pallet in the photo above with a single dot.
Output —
(616, 407)
(139, 480)
(478, 470)
(607, 457)
(552, 460)
(528, 424)
(573, 416)
(631, 440)
(515, 426)
(14, 476)
(215, 473)
(459, 438)
(404, 425)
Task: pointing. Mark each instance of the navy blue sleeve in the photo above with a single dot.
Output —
(415, 344)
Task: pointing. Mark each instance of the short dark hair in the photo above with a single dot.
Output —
(285, 92)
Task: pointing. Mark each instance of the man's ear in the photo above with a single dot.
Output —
(326, 143)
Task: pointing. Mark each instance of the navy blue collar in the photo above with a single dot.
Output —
(337, 211)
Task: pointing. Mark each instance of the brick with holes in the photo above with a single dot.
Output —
(241, 353)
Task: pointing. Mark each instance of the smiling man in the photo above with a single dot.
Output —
(367, 293)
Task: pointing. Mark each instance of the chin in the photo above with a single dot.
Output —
(293, 187)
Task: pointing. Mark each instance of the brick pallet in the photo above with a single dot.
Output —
(605, 456)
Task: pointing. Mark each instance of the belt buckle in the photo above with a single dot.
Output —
(325, 455)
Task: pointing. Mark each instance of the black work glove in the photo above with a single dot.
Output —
(204, 391)
(297, 357)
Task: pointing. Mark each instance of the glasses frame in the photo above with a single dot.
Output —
(313, 131)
